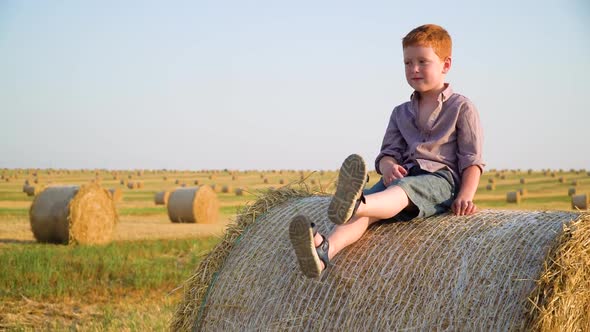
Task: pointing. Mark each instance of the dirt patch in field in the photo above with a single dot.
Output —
(18, 229)
(147, 312)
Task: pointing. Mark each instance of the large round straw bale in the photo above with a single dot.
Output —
(116, 194)
(513, 197)
(194, 205)
(161, 198)
(580, 202)
(492, 271)
(72, 214)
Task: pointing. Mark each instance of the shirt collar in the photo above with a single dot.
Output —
(445, 94)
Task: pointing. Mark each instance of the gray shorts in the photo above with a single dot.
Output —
(431, 193)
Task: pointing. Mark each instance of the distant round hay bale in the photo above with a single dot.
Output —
(31, 190)
(580, 202)
(116, 194)
(281, 181)
(196, 182)
(164, 178)
(132, 185)
(161, 198)
(139, 184)
(571, 191)
(239, 191)
(491, 186)
(502, 177)
(177, 181)
(122, 182)
(492, 180)
(522, 181)
(213, 186)
(193, 205)
(492, 271)
(575, 183)
(562, 179)
(312, 181)
(513, 197)
(234, 178)
(523, 192)
(226, 189)
(72, 214)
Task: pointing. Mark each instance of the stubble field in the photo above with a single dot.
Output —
(133, 283)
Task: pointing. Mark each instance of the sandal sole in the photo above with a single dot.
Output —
(301, 236)
(351, 182)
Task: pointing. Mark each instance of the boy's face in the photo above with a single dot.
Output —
(425, 71)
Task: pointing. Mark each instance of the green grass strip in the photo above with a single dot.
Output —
(44, 271)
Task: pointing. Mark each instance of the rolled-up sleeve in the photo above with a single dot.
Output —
(469, 138)
(393, 142)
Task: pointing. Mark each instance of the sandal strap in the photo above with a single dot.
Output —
(358, 202)
(322, 251)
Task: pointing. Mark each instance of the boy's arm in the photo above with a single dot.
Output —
(392, 146)
(463, 204)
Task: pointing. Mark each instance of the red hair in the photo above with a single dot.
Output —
(430, 35)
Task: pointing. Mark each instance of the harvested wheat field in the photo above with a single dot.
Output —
(496, 270)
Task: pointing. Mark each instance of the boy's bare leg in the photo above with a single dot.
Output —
(384, 204)
(381, 205)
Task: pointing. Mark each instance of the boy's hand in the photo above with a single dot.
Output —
(392, 172)
(463, 206)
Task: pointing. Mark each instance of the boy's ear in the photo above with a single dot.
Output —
(447, 65)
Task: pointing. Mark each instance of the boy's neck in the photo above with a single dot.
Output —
(432, 95)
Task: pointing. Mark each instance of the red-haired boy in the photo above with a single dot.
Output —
(430, 159)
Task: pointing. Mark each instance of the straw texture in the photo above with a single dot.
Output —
(481, 272)
(72, 214)
(193, 205)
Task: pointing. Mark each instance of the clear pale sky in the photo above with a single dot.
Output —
(276, 84)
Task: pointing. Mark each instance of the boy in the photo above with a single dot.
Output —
(430, 159)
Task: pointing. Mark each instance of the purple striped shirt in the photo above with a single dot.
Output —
(452, 138)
